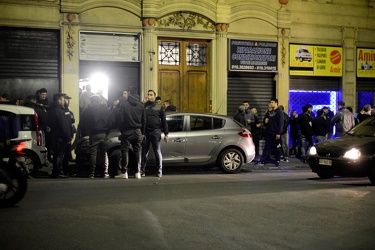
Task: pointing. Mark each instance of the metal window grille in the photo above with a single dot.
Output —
(196, 54)
(364, 98)
(318, 99)
(169, 53)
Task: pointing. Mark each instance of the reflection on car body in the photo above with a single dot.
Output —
(353, 155)
(196, 139)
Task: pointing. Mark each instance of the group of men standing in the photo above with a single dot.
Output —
(140, 124)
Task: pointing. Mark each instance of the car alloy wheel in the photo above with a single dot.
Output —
(230, 160)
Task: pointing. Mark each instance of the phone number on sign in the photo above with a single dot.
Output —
(249, 67)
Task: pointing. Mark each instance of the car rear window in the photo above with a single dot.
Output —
(28, 123)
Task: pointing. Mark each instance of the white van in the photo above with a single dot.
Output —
(303, 54)
(35, 151)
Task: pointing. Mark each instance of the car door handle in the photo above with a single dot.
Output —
(179, 140)
(216, 137)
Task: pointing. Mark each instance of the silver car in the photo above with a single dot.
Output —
(195, 139)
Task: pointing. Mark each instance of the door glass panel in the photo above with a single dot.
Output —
(196, 54)
(169, 53)
(175, 123)
(200, 123)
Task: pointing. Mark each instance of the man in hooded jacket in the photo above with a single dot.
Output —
(132, 127)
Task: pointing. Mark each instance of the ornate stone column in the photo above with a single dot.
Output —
(149, 56)
(220, 83)
(349, 43)
(70, 61)
(282, 78)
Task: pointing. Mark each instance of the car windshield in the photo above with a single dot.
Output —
(366, 128)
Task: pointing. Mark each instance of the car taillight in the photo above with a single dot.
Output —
(39, 141)
(20, 146)
(245, 133)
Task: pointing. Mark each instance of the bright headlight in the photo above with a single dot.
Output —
(312, 150)
(353, 154)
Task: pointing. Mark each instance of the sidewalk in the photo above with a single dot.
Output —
(293, 164)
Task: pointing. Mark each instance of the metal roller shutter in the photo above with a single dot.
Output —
(366, 85)
(29, 60)
(258, 89)
(314, 83)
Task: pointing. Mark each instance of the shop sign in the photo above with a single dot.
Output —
(365, 62)
(310, 60)
(257, 56)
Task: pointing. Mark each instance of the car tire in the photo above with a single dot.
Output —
(371, 175)
(31, 164)
(301, 59)
(230, 160)
(114, 162)
(325, 176)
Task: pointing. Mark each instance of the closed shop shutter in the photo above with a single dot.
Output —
(365, 92)
(366, 85)
(258, 89)
(29, 60)
(314, 83)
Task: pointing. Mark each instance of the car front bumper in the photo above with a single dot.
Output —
(340, 166)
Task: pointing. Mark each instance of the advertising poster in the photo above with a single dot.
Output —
(247, 55)
(365, 62)
(309, 60)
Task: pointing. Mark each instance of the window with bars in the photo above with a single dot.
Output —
(169, 53)
(196, 54)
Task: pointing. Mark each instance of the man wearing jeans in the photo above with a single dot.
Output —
(94, 120)
(132, 126)
(155, 121)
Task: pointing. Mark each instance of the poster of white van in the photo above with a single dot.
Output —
(303, 54)
(365, 62)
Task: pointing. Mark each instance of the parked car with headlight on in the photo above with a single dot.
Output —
(352, 155)
(195, 139)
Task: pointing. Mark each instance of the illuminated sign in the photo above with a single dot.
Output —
(258, 56)
(365, 62)
(309, 60)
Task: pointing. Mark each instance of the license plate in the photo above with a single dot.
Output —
(325, 162)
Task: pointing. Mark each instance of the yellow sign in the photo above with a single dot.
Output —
(307, 60)
(366, 63)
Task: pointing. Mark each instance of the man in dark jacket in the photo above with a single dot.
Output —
(61, 132)
(71, 120)
(274, 130)
(169, 107)
(132, 127)
(305, 122)
(155, 121)
(320, 127)
(94, 121)
(256, 130)
(240, 115)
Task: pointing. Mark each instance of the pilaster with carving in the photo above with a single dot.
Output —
(282, 79)
(70, 60)
(149, 55)
(220, 85)
(349, 47)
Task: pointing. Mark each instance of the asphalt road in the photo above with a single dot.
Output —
(262, 209)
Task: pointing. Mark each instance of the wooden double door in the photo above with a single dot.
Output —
(184, 74)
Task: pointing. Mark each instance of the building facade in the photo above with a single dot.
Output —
(207, 55)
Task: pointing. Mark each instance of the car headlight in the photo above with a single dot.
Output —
(353, 154)
(312, 150)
